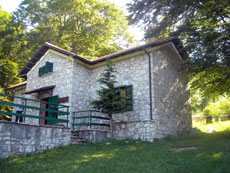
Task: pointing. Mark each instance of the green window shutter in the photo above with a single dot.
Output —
(53, 100)
(45, 69)
(126, 95)
(53, 104)
(129, 97)
(49, 67)
(41, 71)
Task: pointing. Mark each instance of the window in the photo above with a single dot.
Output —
(126, 93)
(45, 69)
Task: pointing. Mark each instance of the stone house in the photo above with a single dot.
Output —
(151, 72)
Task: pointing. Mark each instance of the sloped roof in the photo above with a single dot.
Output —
(46, 46)
(17, 85)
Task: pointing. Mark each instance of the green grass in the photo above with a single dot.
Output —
(211, 153)
(218, 126)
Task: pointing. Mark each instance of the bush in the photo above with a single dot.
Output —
(219, 107)
(206, 112)
(5, 108)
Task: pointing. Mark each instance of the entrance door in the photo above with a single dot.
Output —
(52, 103)
(44, 113)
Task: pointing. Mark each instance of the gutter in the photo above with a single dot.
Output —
(150, 85)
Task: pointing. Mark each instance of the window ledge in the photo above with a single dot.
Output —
(47, 74)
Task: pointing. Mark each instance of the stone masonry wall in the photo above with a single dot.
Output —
(132, 71)
(61, 77)
(19, 139)
(80, 89)
(143, 130)
(131, 124)
(171, 93)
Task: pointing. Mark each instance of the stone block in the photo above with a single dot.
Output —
(1, 127)
(17, 132)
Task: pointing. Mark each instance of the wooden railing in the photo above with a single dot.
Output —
(90, 118)
(53, 114)
(210, 119)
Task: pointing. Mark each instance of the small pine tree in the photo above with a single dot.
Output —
(109, 100)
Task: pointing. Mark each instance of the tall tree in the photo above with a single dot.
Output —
(204, 28)
(9, 46)
(11, 49)
(90, 28)
(109, 99)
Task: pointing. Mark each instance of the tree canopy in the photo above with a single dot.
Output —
(90, 28)
(11, 43)
(204, 28)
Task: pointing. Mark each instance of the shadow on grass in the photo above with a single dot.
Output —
(211, 153)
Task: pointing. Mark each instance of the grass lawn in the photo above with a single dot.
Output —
(197, 152)
(218, 126)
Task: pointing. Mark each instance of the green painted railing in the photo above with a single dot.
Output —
(88, 117)
(53, 118)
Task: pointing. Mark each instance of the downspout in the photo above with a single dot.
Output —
(150, 85)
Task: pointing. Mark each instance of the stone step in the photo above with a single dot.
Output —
(89, 135)
(77, 135)
(78, 142)
(76, 139)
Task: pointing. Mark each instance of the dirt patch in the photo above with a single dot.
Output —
(182, 148)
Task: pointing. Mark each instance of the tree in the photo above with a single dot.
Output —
(219, 106)
(11, 49)
(90, 28)
(5, 108)
(204, 28)
(109, 100)
(198, 102)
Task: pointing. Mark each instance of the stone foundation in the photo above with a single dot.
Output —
(146, 130)
(143, 130)
(19, 139)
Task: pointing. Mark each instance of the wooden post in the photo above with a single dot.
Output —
(208, 119)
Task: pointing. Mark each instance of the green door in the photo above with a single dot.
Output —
(53, 104)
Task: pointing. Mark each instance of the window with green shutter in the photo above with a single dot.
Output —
(45, 69)
(126, 93)
(41, 71)
(49, 67)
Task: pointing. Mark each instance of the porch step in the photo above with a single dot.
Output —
(76, 139)
(88, 135)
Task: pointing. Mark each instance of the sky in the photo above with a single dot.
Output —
(11, 5)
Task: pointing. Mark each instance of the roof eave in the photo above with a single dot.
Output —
(47, 46)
